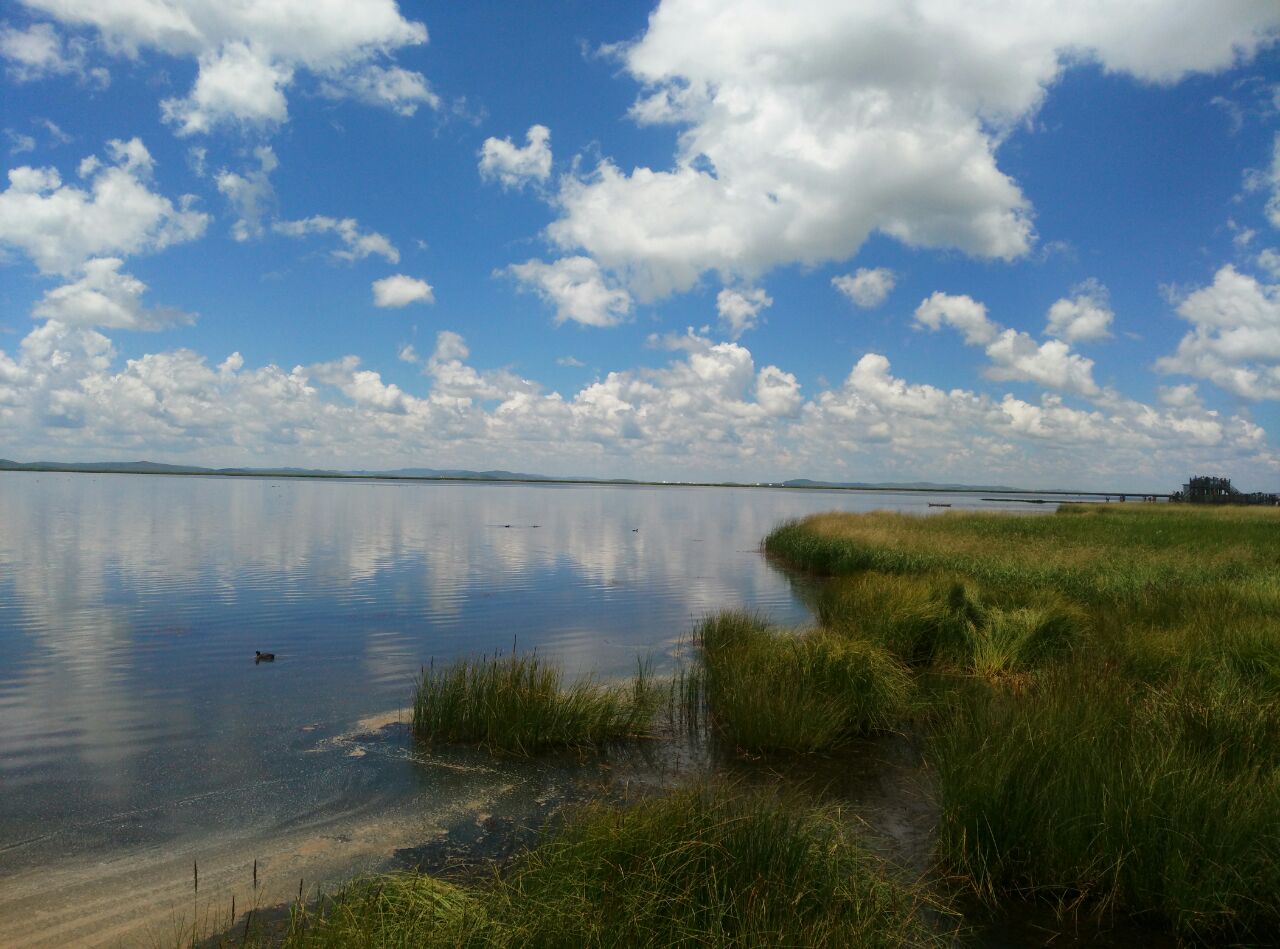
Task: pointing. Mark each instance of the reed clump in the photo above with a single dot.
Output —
(770, 690)
(520, 704)
(705, 866)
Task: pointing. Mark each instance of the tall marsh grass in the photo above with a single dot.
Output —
(1136, 769)
(812, 691)
(1161, 804)
(520, 704)
(945, 622)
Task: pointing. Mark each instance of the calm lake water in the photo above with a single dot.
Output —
(137, 735)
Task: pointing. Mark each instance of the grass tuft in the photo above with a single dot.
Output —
(519, 704)
(802, 692)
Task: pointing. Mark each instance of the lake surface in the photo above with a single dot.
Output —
(138, 736)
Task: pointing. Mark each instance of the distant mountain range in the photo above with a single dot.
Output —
(460, 474)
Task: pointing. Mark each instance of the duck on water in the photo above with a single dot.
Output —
(263, 657)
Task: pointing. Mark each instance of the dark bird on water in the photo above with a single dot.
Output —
(263, 657)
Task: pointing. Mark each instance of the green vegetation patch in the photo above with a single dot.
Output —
(1156, 556)
(809, 691)
(520, 704)
(1162, 803)
(707, 866)
(1134, 767)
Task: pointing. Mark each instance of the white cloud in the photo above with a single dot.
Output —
(778, 393)
(1268, 180)
(399, 290)
(236, 83)
(105, 297)
(1235, 337)
(357, 244)
(961, 312)
(249, 52)
(501, 159)
(56, 134)
(804, 128)
(711, 412)
(1086, 315)
(39, 52)
(400, 90)
(1269, 260)
(19, 143)
(251, 194)
(740, 309)
(1016, 357)
(577, 288)
(570, 362)
(1182, 396)
(867, 287)
(60, 226)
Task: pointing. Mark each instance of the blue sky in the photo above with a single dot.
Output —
(877, 241)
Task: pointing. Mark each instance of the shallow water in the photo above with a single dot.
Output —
(137, 735)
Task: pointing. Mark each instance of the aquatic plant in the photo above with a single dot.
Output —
(520, 704)
(769, 690)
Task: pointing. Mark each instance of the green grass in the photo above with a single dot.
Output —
(706, 866)
(1164, 804)
(1133, 769)
(520, 704)
(783, 691)
(946, 622)
(1158, 557)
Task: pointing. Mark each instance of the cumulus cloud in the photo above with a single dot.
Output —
(249, 53)
(400, 90)
(1269, 261)
(577, 288)
(39, 51)
(960, 312)
(1235, 337)
(399, 290)
(357, 244)
(805, 128)
(740, 309)
(234, 83)
(710, 412)
(1084, 316)
(867, 287)
(1017, 357)
(60, 226)
(251, 194)
(106, 297)
(500, 159)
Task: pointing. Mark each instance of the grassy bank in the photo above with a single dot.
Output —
(707, 866)
(1105, 691)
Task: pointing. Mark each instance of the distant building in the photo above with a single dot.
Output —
(1203, 489)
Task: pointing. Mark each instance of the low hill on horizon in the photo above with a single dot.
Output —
(466, 474)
